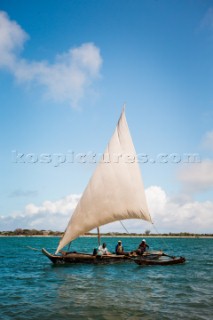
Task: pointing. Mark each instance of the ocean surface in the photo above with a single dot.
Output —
(33, 288)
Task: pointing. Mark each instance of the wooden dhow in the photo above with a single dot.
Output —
(115, 192)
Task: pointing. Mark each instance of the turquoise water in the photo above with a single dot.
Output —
(32, 288)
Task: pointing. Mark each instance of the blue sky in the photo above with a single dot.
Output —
(67, 68)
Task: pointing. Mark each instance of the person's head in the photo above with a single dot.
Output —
(104, 245)
(119, 242)
(144, 241)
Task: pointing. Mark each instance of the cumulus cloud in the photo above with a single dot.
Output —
(208, 141)
(196, 177)
(169, 215)
(174, 216)
(12, 39)
(67, 79)
(52, 215)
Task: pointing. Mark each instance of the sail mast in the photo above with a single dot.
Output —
(99, 236)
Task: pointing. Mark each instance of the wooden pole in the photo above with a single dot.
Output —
(99, 237)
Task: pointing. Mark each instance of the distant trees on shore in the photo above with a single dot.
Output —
(31, 232)
(147, 233)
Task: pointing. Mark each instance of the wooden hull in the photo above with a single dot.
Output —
(86, 258)
(75, 258)
(162, 262)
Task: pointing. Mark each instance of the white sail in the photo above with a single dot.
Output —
(114, 192)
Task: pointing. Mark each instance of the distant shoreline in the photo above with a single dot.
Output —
(19, 232)
(112, 236)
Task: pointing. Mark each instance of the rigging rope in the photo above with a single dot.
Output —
(162, 239)
(155, 228)
(124, 226)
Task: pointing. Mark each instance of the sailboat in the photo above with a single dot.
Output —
(115, 192)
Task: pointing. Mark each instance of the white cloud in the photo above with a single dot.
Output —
(52, 215)
(12, 39)
(68, 79)
(174, 216)
(196, 177)
(168, 215)
(208, 141)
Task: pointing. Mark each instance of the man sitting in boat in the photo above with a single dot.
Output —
(142, 247)
(102, 249)
(119, 249)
